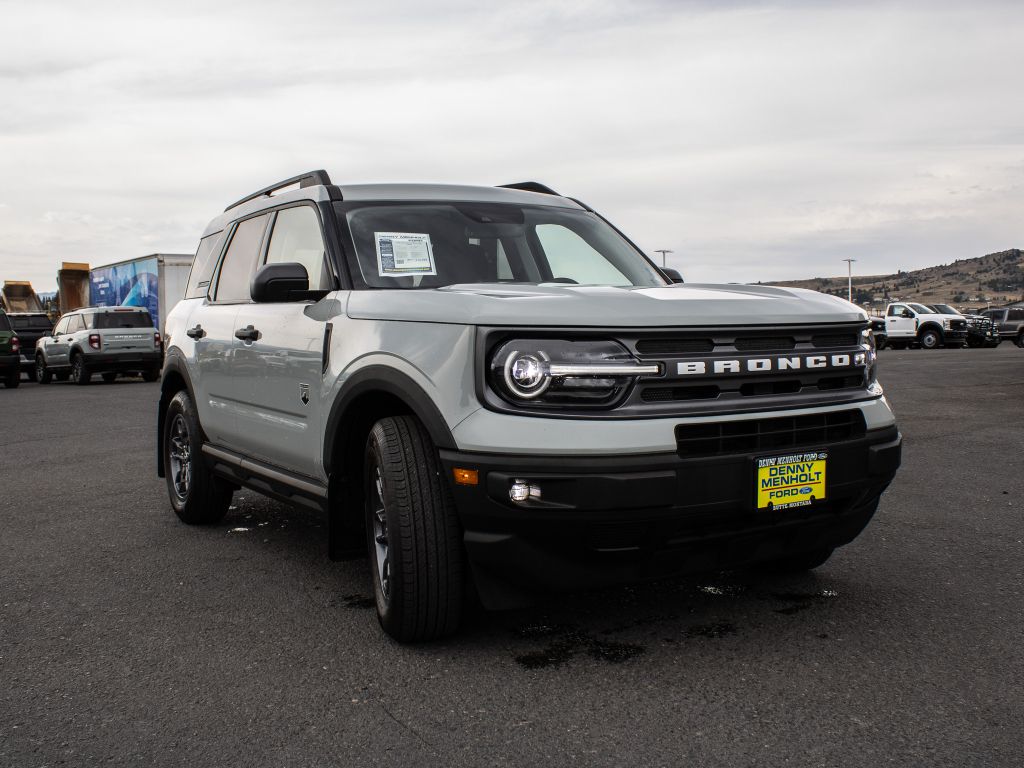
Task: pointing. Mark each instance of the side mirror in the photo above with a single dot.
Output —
(672, 274)
(283, 281)
(906, 313)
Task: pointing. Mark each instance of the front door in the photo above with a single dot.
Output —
(899, 327)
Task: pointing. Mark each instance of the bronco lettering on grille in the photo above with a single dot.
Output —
(767, 364)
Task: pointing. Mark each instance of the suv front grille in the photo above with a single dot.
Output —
(673, 346)
(758, 435)
(765, 343)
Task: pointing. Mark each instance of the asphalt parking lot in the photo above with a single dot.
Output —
(128, 638)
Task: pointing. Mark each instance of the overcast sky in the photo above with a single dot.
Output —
(757, 140)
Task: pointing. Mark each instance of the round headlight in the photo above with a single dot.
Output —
(525, 374)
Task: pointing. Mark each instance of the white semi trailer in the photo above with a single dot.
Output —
(156, 282)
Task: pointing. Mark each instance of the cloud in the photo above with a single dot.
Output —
(758, 141)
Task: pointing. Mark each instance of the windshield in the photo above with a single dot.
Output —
(121, 319)
(922, 309)
(31, 322)
(945, 309)
(430, 245)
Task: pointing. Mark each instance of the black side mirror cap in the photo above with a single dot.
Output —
(672, 274)
(282, 281)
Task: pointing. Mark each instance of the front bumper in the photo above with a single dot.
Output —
(955, 335)
(121, 362)
(616, 519)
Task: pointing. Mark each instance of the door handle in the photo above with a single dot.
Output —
(247, 334)
(195, 333)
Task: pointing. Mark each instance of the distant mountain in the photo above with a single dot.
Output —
(997, 278)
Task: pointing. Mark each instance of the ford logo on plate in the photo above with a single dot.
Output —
(805, 490)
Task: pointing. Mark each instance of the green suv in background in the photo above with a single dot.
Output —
(10, 353)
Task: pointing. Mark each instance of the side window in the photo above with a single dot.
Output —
(62, 325)
(296, 237)
(202, 266)
(896, 310)
(76, 324)
(1015, 314)
(240, 260)
(569, 254)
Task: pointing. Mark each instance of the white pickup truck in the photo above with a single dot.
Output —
(908, 322)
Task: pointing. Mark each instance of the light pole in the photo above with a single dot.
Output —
(663, 251)
(849, 279)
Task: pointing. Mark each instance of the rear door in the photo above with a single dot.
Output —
(282, 368)
(219, 394)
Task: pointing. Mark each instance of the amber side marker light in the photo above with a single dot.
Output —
(466, 476)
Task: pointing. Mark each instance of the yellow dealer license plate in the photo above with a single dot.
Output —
(795, 480)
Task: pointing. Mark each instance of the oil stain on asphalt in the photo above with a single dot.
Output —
(566, 644)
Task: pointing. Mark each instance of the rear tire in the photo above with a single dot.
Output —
(197, 496)
(43, 374)
(1020, 340)
(80, 373)
(413, 533)
(804, 561)
(109, 377)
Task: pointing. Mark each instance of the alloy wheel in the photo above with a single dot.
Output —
(380, 534)
(179, 457)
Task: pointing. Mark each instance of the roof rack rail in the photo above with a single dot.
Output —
(308, 179)
(531, 186)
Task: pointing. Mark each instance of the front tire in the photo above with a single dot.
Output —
(930, 339)
(43, 374)
(413, 533)
(197, 496)
(1020, 341)
(80, 373)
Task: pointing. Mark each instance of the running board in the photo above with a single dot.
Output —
(277, 483)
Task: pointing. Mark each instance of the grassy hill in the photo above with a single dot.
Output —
(997, 278)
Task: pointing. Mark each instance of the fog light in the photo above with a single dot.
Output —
(521, 491)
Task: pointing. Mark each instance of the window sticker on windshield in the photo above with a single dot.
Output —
(404, 253)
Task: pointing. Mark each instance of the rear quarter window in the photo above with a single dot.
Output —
(203, 265)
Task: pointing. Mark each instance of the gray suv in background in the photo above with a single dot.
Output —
(491, 389)
(103, 340)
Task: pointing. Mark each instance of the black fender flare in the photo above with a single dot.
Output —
(933, 325)
(173, 363)
(381, 378)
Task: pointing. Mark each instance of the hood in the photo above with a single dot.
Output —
(604, 306)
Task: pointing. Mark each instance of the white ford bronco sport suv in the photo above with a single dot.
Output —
(492, 389)
(103, 340)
